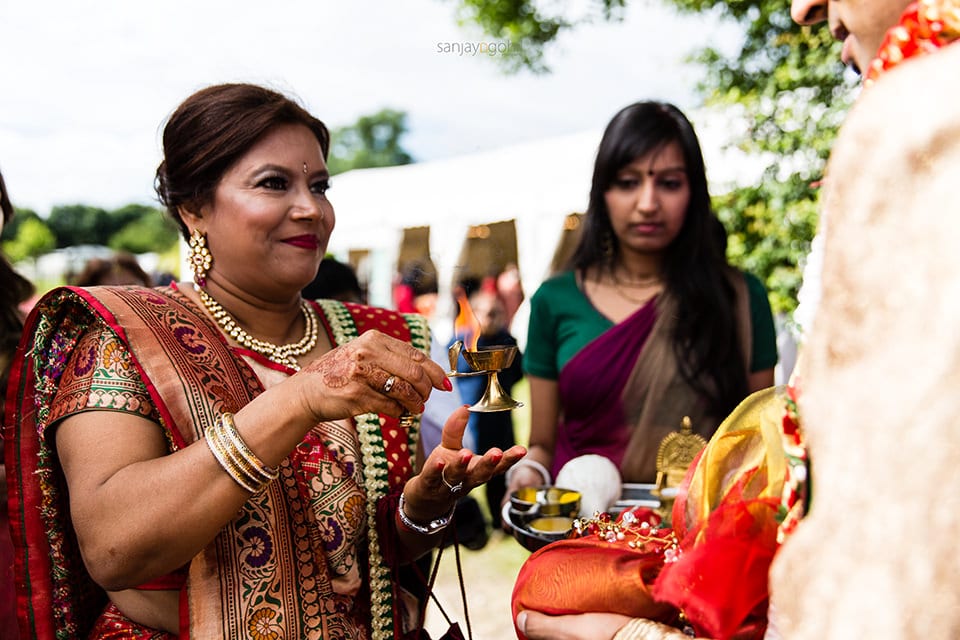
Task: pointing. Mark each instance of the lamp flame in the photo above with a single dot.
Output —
(466, 327)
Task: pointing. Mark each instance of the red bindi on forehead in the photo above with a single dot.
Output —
(663, 160)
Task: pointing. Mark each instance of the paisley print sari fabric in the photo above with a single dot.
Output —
(299, 561)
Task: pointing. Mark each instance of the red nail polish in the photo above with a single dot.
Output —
(447, 384)
(465, 458)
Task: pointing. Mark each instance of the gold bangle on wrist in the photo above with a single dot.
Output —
(219, 452)
(239, 462)
(236, 458)
(230, 429)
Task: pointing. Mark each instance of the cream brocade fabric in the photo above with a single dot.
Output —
(639, 629)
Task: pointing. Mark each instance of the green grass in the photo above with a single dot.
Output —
(521, 416)
(488, 576)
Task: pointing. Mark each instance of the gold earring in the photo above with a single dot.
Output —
(606, 244)
(199, 257)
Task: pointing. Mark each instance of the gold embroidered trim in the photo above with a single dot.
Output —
(374, 459)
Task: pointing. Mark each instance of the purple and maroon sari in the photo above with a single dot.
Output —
(593, 414)
(623, 392)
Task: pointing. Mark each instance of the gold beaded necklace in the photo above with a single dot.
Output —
(280, 353)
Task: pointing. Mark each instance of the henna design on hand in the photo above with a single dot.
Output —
(363, 373)
(337, 375)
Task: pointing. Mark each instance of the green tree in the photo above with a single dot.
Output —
(770, 229)
(33, 238)
(530, 27)
(784, 87)
(11, 228)
(126, 214)
(150, 231)
(134, 227)
(373, 141)
(77, 224)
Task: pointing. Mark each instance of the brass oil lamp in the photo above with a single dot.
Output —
(487, 360)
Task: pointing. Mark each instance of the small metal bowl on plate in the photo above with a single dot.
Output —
(537, 532)
(538, 516)
(533, 502)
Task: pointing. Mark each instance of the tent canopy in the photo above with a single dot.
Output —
(535, 184)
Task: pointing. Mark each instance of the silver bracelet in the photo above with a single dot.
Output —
(533, 464)
(432, 527)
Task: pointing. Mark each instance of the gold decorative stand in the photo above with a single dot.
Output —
(677, 451)
(486, 361)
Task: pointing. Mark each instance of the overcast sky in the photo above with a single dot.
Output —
(86, 84)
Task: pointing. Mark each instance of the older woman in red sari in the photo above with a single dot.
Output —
(223, 459)
(649, 323)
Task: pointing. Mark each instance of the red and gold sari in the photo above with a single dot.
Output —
(744, 492)
(309, 557)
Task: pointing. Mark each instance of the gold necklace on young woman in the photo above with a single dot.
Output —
(284, 354)
(642, 283)
(641, 300)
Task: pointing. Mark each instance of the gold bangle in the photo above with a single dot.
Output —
(233, 455)
(230, 429)
(216, 448)
(256, 475)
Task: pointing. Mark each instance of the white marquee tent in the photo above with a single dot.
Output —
(536, 184)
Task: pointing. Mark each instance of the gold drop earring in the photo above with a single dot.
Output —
(199, 257)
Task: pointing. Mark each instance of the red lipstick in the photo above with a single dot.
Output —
(304, 242)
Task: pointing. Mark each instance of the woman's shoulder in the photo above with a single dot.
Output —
(349, 319)
(564, 282)
(754, 283)
(369, 313)
(757, 295)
